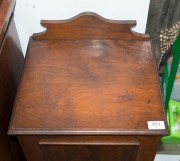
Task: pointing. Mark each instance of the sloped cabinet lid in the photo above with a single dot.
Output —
(88, 75)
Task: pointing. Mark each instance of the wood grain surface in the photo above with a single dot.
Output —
(89, 25)
(6, 9)
(88, 89)
(98, 147)
(88, 85)
(0, 2)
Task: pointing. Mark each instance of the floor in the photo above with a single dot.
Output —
(165, 157)
(168, 152)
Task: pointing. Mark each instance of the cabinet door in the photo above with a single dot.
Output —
(89, 148)
(90, 152)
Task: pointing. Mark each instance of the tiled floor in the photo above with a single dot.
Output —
(165, 157)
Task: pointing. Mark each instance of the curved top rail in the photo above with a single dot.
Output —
(88, 25)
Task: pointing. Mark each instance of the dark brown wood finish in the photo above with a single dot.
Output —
(11, 64)
(88, 78)
(96, 148)
(6, 10)
(86, 82)
(91, 26)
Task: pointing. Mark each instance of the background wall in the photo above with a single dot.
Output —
(28, 13)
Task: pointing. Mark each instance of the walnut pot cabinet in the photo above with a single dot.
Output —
(89, 92)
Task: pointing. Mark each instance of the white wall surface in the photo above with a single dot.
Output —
(28, 13)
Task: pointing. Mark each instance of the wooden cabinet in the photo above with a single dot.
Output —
(11, 65)
(89, 147)
(89, 90)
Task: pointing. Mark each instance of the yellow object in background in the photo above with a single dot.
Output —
(178, 118)
(178, 114)
(178, 77)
